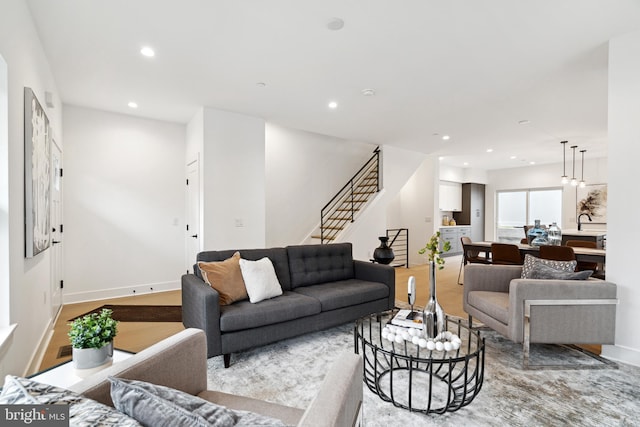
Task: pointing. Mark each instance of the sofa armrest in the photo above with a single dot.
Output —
(377, 273)
(339, 401)
(580, 323)
(201, 309)
(179, 362)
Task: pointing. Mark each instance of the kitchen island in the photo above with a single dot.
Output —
(597, 236)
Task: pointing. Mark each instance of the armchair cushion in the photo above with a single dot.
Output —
(530, 262)
(542, 271)
(495, 304)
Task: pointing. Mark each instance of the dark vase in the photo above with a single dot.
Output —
(383, 254)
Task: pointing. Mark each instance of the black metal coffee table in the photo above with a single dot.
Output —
(415, 378)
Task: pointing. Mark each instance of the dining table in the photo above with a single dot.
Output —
(582, 254)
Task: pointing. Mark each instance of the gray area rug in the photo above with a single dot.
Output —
(290, 373)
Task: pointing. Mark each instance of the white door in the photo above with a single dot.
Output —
(57, 229)
(193, 237)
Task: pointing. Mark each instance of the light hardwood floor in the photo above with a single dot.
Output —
(136, 336)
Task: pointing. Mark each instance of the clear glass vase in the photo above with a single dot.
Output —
(555, 235)
(433, 322)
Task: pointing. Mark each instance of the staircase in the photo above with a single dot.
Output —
(343, 208)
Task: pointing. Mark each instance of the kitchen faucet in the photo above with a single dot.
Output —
(579, 217)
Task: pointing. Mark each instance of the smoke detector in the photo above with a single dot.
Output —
(335, 24)
(368, 92)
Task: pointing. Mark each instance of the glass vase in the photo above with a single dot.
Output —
(555, 235)
(433, 322)
(537, 236)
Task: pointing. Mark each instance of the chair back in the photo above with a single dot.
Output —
(582, 265)
(557, 253)
(505, 253)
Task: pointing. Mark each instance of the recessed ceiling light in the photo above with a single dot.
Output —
(333, 105)
(368, 92)
(524, 122)
(489, 150)
(512, 157)
(441, 158)
(466, 163)
(446, 137)
(147, 51)
(132, 104)
(532, 163)
(335, 24)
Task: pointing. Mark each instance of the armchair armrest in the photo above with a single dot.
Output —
(178, 362)
(201, 309)
(491, 278)
(377, 273)
(339, 400)
(581, 324)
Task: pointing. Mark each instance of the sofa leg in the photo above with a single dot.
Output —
(227, 360)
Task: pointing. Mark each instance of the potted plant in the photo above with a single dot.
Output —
(92, 339)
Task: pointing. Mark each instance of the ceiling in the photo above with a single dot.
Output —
(465, 68)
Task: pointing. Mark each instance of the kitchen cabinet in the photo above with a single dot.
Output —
(472, 210)
(452, 235)
(450, 196)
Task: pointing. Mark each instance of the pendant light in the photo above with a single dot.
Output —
(564, 179)
(582, 183)
(574, 181)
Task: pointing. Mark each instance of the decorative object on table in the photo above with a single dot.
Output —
(452, 222)
(92, 339)
(37, 175)
(383, 254)
(555, 235)
(404, 319)
(433, 314)
(537, 236)
(446, 341)
(411, 296)
(592, 200)
(445, 219)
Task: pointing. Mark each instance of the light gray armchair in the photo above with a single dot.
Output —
(540, 311)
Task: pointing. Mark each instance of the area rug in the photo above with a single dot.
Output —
(290, 372)
(142, 313)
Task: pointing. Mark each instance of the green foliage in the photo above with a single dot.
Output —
(93, 330)
(432, 249)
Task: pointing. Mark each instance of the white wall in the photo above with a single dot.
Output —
(124, 201)
(541, 176)
(233, 184)
(30, 279)
(623, 203)
(303, 171)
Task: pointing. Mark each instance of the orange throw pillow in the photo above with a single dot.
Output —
(226, 278)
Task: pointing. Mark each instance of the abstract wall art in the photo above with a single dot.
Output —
(592, 200)
(37, 175)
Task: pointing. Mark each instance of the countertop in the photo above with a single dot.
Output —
(454, 226)
(589, 233)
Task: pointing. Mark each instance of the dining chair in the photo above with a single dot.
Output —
(470, 256)
(505, 253)
(582, 265)
(557, 253)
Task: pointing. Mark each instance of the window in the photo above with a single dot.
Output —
(522, 207)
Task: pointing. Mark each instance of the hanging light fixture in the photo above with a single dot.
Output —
(582, 183)
(564, 178)
(574, 181)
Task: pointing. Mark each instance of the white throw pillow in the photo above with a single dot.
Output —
(260, 279)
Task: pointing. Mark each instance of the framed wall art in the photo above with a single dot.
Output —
(37, 175)
(592, 200)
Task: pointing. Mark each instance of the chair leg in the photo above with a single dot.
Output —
(227, 359)
(460, 271)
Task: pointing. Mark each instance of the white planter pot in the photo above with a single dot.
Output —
(89, 358)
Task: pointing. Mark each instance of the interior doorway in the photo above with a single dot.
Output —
(57, 261)
(192, 235)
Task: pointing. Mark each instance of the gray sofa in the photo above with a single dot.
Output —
(323, 286)
(180, 362)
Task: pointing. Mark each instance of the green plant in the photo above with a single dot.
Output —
(93, 330)
(432, 248)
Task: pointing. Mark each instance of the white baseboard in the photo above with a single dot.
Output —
(38, 354)
(622, 354)
(127, 291)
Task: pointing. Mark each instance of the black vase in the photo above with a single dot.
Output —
(383, 254)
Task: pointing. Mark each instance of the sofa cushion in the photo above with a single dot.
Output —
(315, 264)
(278, 257)
(288, 306)
(260, 279)
(541, 271)
(495, 304)
(345, 293)
(226, 278)
(82, 411)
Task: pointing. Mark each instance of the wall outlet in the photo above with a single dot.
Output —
(239, 222)
(427, 219)
(44, 297)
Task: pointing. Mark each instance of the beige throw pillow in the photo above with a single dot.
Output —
(226, 278)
